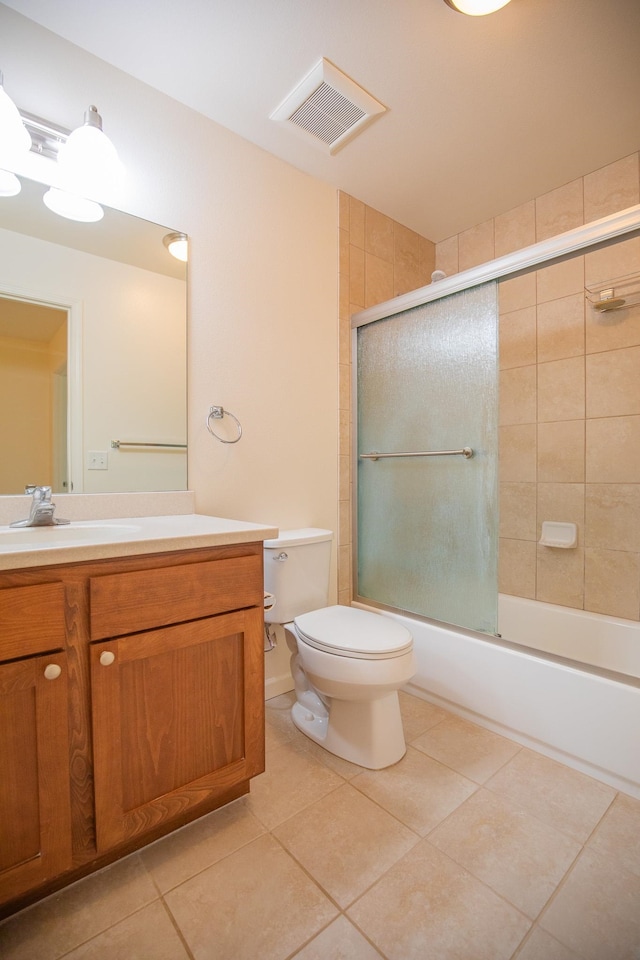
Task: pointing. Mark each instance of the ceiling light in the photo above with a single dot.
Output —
(178, 245)
(476, 8)
(72, 207)
(10, 186)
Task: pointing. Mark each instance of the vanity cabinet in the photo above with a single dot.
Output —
(131, 701)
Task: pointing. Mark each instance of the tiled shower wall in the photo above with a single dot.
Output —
(569, 401)
(569, 386)
(379, 260)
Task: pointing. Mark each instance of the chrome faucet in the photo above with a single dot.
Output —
(42, 509)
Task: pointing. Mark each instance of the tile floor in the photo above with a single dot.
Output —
(471, 847)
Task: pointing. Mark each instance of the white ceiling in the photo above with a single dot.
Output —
(484, 113)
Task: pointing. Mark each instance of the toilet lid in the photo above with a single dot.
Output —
(351, 632)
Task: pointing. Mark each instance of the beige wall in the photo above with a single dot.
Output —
(379, 259)
(569, 401)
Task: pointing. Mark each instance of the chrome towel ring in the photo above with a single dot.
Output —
(217, 413)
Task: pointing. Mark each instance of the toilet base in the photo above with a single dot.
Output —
(366, 732)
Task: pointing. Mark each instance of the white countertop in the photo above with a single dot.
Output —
(121, 537)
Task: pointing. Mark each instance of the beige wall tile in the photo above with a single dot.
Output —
(446, 255)
(427, 257)
(517, 568)
(517, 335)
(613, 450)
(563, 502)
(343, 252)
(378, 234)
(344, 201)
(561, 452)
(517, 293)
(518, 511)
(560, 576)
(610, 331)
(356, 222)
(518, 395)
(407, 277)
(613, 383)
(612, 583)
(515, 229)
(476, 245)
(612, 188)
(610, 263)
(561, 279)
(356, 276)
(561, 328)
(560, 210)
(378, 285)
(344, 521)
(561, 390)
(406, 246)
(517, 453)
(612, 516)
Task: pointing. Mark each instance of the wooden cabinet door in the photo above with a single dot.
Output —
(178, 717)
(35, 816)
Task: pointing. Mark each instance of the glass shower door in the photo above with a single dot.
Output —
(427, 525)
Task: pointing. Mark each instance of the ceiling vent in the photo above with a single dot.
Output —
(328, 108)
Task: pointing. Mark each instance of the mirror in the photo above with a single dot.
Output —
(92, 352)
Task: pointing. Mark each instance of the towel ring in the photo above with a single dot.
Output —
(217, 413)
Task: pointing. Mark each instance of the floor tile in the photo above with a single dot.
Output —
(340, 941)
(474, 752)
(293, 779)
(186, 852)
(279, 727)
(257, 903)
(596, 912)
(63, 921)
(418, 790)
(618, 834)
(346, 842)
(418, 715)
(514, 853)
(564, 798)
(148, 933)
(540, 945)
(429, 906)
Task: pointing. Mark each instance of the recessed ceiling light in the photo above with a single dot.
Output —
(476, 8)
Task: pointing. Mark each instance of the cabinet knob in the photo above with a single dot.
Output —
(107, 658)
(52, 671)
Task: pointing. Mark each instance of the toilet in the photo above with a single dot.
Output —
(347, 664)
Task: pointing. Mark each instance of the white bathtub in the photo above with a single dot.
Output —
(581, 717)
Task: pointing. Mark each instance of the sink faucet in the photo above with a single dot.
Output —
(42, 509)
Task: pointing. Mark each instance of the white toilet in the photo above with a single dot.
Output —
(347, 663)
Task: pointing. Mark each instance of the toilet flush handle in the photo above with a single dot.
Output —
(282, 556)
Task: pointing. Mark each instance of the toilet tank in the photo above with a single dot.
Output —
(296, 572)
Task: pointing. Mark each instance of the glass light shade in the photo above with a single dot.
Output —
(14, 136)
(10, 186)
(88, 162)
(178, 245)
(72, 207)
(477, 8)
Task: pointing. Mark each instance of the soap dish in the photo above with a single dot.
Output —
(557, 534)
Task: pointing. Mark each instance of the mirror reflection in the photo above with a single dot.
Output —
(92, 352)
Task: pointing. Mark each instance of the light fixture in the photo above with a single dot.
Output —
(476, 8)
(72, 207)
(87, 160)
(178, 245)
(15, 142)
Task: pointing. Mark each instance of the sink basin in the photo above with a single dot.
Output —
(38, 538)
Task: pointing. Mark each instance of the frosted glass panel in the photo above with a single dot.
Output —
(427, 526)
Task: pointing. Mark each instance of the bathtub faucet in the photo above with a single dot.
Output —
(42, 509)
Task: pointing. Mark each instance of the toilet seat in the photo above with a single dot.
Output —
(351, 632)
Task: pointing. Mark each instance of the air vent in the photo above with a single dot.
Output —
(328, 108)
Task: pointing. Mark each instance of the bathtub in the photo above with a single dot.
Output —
(585, 717)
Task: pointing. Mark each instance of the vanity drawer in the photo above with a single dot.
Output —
(31, 620)
(124, 603)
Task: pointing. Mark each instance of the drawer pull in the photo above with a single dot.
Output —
(107, 658)
(52, 671)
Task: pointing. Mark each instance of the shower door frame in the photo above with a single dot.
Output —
(625, 224)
